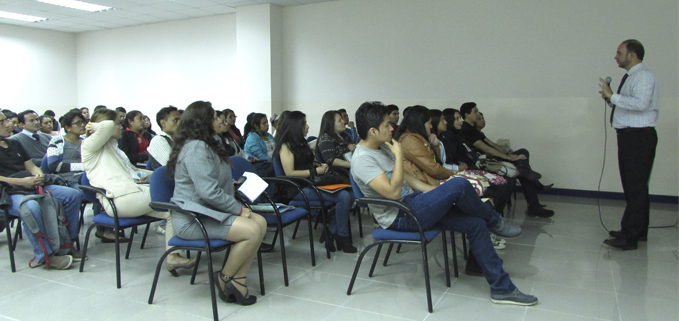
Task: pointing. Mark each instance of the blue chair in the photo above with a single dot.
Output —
(303, 182)
(44, 165)
(310, 138)
(118, 224)
(280, 220)
(382, 236)
(148, 165)
(162, 188)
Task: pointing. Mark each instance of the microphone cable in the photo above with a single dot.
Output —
(603, 166)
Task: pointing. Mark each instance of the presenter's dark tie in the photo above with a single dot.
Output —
(36, 136)
(619, 87)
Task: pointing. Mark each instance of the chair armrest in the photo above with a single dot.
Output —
(387, 202)
(285, 180)
(93, 189)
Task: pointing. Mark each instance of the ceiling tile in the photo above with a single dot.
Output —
(146, 9)
(219, 9)
(171, 15)
(195, 12)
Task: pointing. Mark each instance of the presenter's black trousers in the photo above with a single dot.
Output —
(636, 152)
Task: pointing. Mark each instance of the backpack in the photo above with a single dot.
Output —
(56, 234)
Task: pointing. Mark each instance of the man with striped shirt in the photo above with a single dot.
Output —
(633, 115)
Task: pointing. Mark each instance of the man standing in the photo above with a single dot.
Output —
(634, 115)
(34, 142)
(161, 145)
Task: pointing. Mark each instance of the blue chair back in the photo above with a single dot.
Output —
(277, 167)
(87, 195)
(357, 191)
(161, 185)
(240, 165)
(44, 165)
(319, 157)
(148, 165)
(310, 138)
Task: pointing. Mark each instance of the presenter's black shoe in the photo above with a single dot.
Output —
(622, 243)
(619, 234)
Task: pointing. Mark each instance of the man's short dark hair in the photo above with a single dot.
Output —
(163, 113)
(636, 47)
(81, 108)
(466, 108)
(342, 111)
(42, 117)
(49, 113)
(371, 114)
(9, 114)
(22, 114)
(98, 107)
(121, 110)
(391, 108)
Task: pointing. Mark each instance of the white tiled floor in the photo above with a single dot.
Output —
(561, 260)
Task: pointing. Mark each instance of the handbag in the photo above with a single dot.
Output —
(330, 177)
(479, 182)
(499, 167)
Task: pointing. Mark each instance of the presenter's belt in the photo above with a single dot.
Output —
(628, 130)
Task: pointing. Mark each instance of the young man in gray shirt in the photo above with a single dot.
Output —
(377, 168)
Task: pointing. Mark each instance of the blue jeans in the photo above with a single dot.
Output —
(338, 225)
(454, 206)
(69, 198)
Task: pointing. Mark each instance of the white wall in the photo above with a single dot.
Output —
(151, 66)
(37, 69)
(532, 66)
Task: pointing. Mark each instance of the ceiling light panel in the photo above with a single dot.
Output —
(80, 5)
(20, 17)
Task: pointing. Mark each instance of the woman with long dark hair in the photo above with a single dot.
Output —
(233, 131)
(258, 142)
(134, 139)
(203, 184)
(298, 160)
(332, 142)
(421, 148)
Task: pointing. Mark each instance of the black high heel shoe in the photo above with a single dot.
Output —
(344, 244)
(330, 242)
(234, 294)
(223, 294)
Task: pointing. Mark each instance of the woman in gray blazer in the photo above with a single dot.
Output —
(203, 184)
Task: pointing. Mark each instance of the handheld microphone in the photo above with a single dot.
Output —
(608, 80)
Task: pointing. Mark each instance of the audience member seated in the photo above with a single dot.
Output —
(46, 125)
(161, 144)
(134, 140)
(13, 119)
(350, 129)
(107, 167)
(17, 169)
(274, 124)
(297, 159)
(203, 184)
(86, 114)
(420, 148)
(480, 123)
(470, 114)
(258, 142)
(63, 153)
(498, 189)
(333, 142)
(121, 112)
(454, 206)
(53, 116)
(233, 131)
(146, 121)
(392, 111)
(34, 142)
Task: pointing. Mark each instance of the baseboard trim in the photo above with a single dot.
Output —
(607, 195)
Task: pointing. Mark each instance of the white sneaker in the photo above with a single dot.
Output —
(160, 230)
(498, 243)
